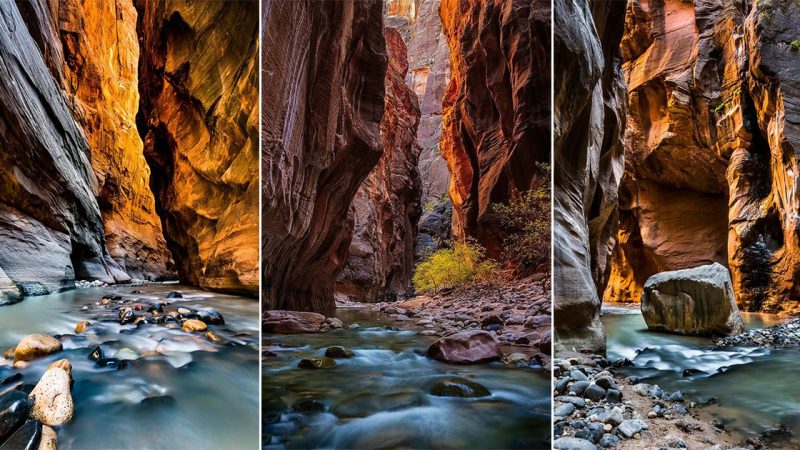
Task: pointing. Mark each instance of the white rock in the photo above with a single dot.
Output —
(52, 399)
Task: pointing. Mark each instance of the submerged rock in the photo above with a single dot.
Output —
(696, 301)
(36, 346)
(97, 354)
(82, 326)
(466, 347)
(316, 363)
(338, 351)
(211, 317)
(308, 406)
(193, 325)
(292, 322)
(125, 315)
(27, 437)
(52, 398)
(459, 387)
(174, 294)
(14, 408)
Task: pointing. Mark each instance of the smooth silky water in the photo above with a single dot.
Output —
(193, 394)
(756, 388)
(380, 397)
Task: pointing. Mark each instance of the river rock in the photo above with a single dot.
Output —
(52, 399)
(292, 322)
(49, 440)
(125, 315)
(194, 325)
(14, 406)
(27, 437)
(211, 317)
(36, 346)
(174, 294)
(127, 354)
(97, 354)
(317, 363)
(572, 443)
(82, 326)
(459, 387)
(696, 301)
(631, 426)
(564, 410)
(466, 347)
(338, 351)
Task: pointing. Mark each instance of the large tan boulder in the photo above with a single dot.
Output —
(292, 322)
(36, 346)
(466, 347)
(696, 301)
(52, 398)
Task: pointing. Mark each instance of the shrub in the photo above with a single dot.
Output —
(525, 221)
(458, 265)
(795, 45)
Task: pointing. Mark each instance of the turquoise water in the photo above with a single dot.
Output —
(380, 398)
(756, 388)
(193, 394)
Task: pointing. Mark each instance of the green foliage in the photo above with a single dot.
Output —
(795, 45)
(428, 207)
(727, 101)
(526, 222)
(459, 265)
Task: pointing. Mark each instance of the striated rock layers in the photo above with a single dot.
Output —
(199, 117)
(711, 147)
(589, 121)
(386, 207)
(496, 109)
(323, 76)
(51, 228)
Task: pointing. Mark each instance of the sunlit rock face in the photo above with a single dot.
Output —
(386, 207)
(496, 109)
(51, 228)
(711, 147)
(323, 75)
(100, 77)
(198, 82)
(589, 108)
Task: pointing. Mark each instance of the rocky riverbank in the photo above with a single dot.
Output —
(782, 335)
(594, 406)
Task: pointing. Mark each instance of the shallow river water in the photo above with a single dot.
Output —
(192, 394)
(380, 397)
(756, 388)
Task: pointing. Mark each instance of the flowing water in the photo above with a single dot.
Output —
(380, 397)
(192, 394)
(756, 388)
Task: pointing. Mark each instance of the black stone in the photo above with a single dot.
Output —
(11, 379)
(97, 354)
(493, 327)
(113, 363)
(125, 315)
(211, 317)
(174, 294)
(308, 406)
(14, 407)
(609, 440)
(605, 383)
(594, 392)
(27, 437)
(690, 372)
(113, 297)
(160, 401)
(613, 396)
(577, 375)
(578, 387)
(561, 385)
(457, 387)
(156, 307)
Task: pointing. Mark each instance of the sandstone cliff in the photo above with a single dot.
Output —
(496, 109)
(198, 81)
(710, 147)
(589, 102)
(386, 207)
(51, 226)
(323, 76)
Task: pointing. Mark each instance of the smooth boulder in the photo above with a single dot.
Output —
(696, 301)
(27, 437)
(36, 346)
(14, 406)
(292, 322)
(52, 398)
(459, 387)
(466, 347)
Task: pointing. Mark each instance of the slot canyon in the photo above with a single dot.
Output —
(394, 133)
(130, 135)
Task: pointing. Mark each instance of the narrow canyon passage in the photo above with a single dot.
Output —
(395, 134)
(675, 209)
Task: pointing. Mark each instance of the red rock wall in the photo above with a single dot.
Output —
(710, 158)
(199, 118)
(589, 108)
(496, 110)
(386, 207)
(323, 76)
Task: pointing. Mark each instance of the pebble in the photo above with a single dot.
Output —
(316, 363)
(630, 427)
(81, 326)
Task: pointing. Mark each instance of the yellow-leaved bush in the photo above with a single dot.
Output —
(460, 264)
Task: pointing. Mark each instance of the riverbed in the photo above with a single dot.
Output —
(184, 392)
(380, 398)
(753, 390)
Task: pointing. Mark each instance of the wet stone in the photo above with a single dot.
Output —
(338, 351)
(174, 294)
(573, 443)
(27, 437)
(96, 354)
(126, 315)
(564, 410)
(211, 317)
(308, 406)
(14, 407)
(316, 363)
(594, 392)
(459, 387)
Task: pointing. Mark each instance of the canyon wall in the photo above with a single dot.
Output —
(323, 76)
(589, 108)
(51, 226)
(711, 147)
(386, 207)
(198, 82)
(496, 108)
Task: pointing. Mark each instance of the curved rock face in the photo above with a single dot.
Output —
(51, 227)
(386, 207)
(104, 98)
(496, 110)
(199, 118)
(711, 147)
(323, 75)
(697, 301)
(589, 102)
